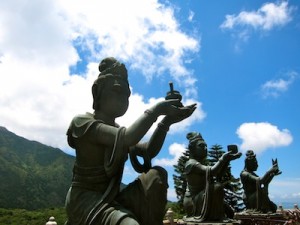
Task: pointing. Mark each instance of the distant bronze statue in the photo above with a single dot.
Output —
(96, 196)
(256, 194)
(204, 199)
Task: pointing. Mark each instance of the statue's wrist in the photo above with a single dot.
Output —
(167, 121)
(151, 114)
(163, 127)
(224, 159)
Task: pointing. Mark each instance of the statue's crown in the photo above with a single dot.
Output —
(250, 154)
(194, 136)
(110, 65)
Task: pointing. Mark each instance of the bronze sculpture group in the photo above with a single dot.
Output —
(96, 195)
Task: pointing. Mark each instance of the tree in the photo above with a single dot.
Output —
(180, 182)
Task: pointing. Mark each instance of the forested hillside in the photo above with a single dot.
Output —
(33, 175)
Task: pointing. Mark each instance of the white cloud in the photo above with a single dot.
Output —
(191, 16)
(38, 93)
(136, 35)
(273, 88)
(34, 31)
(261, 136)
(266, 18)
(175, 150)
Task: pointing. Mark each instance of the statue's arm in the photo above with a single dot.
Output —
(219, 166)
(224, 162)
(173, 114)
(154, 145)
(268, 176)
(105, 134)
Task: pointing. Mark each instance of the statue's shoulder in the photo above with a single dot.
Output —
(81, 124)
(244, 173)
(83, 118)
(190, 164)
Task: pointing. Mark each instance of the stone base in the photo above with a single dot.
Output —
(181, 222)
(208, 223)
(248, 218)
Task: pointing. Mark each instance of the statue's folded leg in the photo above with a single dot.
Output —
(146, 197)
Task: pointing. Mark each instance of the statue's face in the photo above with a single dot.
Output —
(115, 97)
(200, 149)
(252, 165)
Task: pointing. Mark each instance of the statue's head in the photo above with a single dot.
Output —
(197, 145)
(112, 78)
(251, 161)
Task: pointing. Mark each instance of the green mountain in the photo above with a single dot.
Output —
(33, 175)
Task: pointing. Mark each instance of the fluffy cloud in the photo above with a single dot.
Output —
(41, 41)
(261, 136)
(273, 88)
(176, 150)
(137, 35)
(267, 17)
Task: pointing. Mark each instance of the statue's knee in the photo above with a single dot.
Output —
(160, 172)
(155, 181)
(129, 221)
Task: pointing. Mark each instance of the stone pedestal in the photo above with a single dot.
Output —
(181, 222)
(261, 218)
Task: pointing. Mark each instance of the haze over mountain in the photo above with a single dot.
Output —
(33, 175)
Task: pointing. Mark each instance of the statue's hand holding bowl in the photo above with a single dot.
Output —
(233, 152)
(173, 94)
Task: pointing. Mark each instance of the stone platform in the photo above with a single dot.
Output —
(261, 218)
(281, 217)
(181, 222)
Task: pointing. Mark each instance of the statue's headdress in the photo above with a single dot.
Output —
(250, 155)
(108, 68)
(193, 137)
(111, 66)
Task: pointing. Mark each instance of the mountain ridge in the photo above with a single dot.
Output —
(33, 175)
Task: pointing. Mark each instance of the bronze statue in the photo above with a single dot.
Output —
(204, 199)
(96, 196)
(256, 194)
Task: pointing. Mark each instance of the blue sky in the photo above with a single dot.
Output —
(238, 60)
